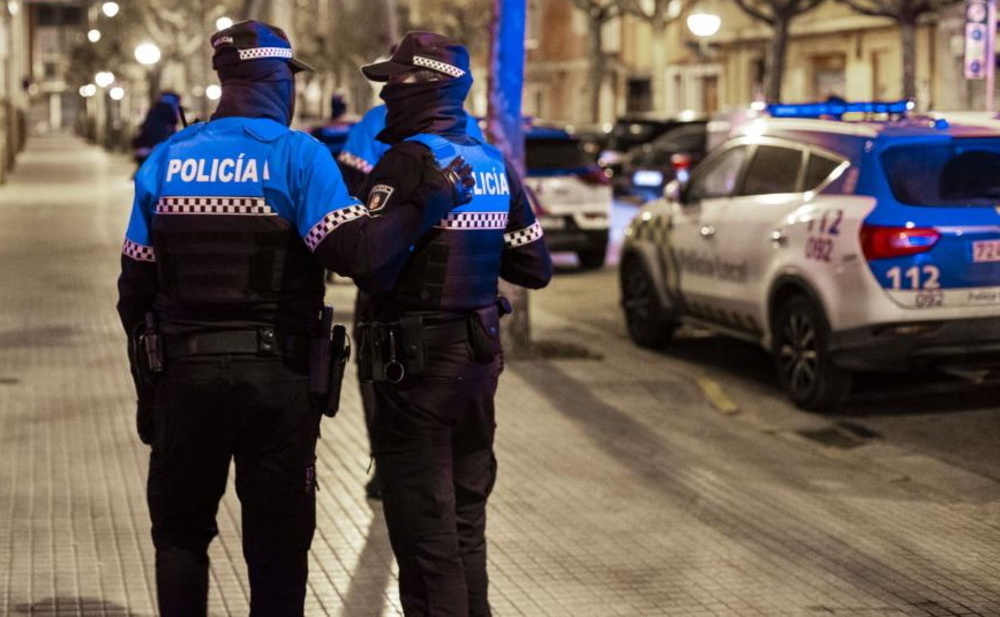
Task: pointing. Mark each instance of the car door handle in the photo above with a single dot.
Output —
(707, 231)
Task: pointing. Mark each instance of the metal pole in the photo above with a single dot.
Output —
(991, 58)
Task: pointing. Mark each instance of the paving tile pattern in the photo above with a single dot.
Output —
(621, 491)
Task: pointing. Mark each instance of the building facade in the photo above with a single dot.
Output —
(832, 50)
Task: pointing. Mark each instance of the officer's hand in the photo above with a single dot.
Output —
(144, 419)
(458, 174)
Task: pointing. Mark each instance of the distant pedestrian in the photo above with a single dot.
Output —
(430, 344)
(221, 295)
(162, 120)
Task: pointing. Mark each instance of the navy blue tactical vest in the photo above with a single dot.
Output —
(457, 265)
(226, 254)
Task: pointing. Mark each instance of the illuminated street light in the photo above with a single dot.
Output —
(94, 35)
(104, 79)
(222, 23)
(13, 7)
(213, 92)
(147, 53)
(88, 91)
(117, 93)
(703, 24)
(110, 8)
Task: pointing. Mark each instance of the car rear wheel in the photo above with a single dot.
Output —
(805, 369)
(649, 323)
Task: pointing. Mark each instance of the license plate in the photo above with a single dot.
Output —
(986, 250)
(552, 222)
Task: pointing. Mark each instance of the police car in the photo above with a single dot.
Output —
(570, 193)
(841, 237)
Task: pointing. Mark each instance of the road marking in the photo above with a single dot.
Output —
(716, 396)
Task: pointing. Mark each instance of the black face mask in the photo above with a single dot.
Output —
(428, 107)
(257, 89)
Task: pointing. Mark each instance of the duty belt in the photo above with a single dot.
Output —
(262, 342)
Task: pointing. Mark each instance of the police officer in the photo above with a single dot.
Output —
(361, 152)
(220, 292)
(432, 346)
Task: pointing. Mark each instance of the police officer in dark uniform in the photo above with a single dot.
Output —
(431, 342)
(221, 293)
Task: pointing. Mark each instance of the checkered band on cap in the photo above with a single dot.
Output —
(473, 220)
(437, 65)
(355, 162)
(524, 236)
(255, 53)
(332, 221)
(138, 251)
(244, 206)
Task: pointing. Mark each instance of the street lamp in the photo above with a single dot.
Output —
(88, 90)
(222, 23)
(703, 25)
(147, 54)
(93, 35)
(213, 92)
(110, 9)
(117, 93)
(104, 79)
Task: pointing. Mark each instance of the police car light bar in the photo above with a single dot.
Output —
(838, 109)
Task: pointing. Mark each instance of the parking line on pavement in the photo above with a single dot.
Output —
(716, 396)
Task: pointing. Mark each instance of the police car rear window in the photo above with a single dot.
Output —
(958, 173)
(555, 154)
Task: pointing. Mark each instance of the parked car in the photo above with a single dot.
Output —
(646, 169)
(635, 130)
(838, 245)
(571, 192)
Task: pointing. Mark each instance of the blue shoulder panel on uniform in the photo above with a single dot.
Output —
(265, 130)
(443, 149)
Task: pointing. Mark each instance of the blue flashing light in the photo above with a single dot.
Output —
(838, 109)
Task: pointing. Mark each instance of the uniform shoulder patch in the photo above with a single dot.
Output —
(378, 197)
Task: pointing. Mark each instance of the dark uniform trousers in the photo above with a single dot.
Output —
(210, 410)
(432, 437)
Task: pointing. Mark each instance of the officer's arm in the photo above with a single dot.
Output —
(372, 246)
(526, 261)
(137, 283)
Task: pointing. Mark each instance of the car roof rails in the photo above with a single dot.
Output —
(836, 109)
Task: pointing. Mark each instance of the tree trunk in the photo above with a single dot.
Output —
(658, 55)
(595, 44)
(776, 60)
(504, 127)
(908, 40)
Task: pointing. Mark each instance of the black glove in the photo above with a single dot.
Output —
(144, 424)
(458, 175)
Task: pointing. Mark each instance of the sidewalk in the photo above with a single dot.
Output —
(621, 491)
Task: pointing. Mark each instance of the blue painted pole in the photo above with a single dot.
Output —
(506, 81)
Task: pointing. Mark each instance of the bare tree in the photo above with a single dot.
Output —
(658, 14)
(905, 13)
(598, 13)
(779, 15)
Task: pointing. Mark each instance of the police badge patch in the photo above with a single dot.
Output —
(378, 197)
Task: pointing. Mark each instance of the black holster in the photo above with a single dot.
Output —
(328, 355)
(149, 351)
(484, 333)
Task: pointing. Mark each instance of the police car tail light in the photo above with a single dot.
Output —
(594, 175)
(881, 242)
